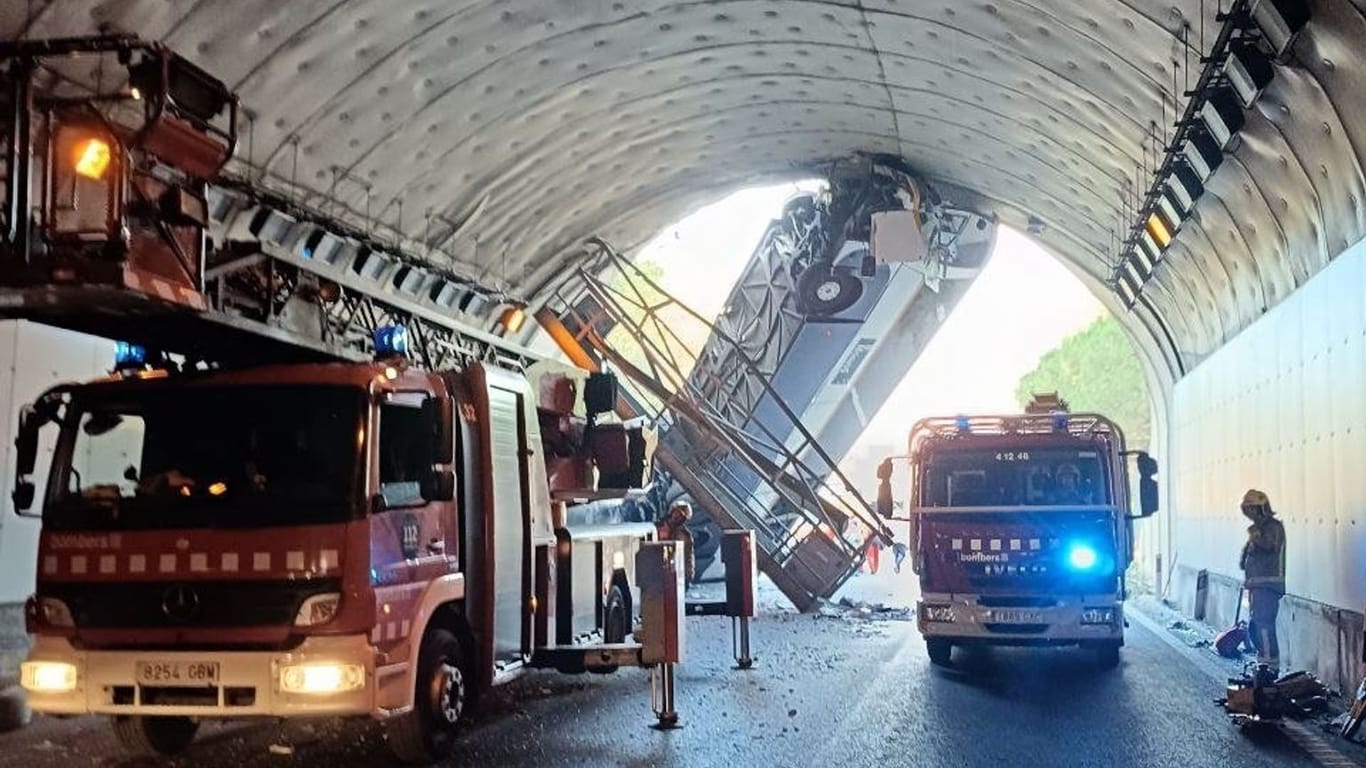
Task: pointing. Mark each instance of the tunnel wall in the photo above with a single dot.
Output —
(1282, 407)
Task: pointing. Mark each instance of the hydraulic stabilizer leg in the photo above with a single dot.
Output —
(662, 697)
(740, 642)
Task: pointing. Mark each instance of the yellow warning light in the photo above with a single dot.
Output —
(92, 158)
(390, 372)
(136, 93)
(218, 489)
(1158, 229)
(512, 319)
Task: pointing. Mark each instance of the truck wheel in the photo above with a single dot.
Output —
(941, 651)
(426, 734)
(151, 736)
(616, 621)
(1107, 655)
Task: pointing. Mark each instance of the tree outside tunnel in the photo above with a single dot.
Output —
(1096, 370)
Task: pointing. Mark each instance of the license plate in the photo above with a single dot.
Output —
(183, 674)
(1015, 617)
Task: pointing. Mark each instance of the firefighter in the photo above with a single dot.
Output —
(674, 527)
(1067, 486)
(1263, 565)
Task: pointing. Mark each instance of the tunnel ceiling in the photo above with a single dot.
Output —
(511, 130)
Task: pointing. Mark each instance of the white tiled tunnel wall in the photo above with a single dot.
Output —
(1282, 407)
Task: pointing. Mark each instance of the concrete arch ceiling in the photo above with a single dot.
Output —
(511, 130)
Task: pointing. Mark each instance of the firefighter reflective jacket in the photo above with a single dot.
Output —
(1263, 558)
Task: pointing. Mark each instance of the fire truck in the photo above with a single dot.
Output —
(1021, 528)
(330, 495)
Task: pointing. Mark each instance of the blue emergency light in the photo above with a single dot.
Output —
(128, 356)
(391, 341)
(1059, 421)
(963, 424)
(1082, 557)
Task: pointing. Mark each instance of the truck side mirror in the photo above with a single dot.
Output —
(439, 486)
(439, 413)
(1147, 484)
(884, 488)
(26, 450)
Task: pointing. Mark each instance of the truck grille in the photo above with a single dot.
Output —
(187, 604)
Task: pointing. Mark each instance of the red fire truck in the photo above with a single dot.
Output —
(322, 539)
(288, 518)
(1021, 529)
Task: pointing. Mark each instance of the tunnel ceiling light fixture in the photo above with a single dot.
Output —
(1148, 247)
(1280, 21)
(1173, 213)
(1222, 115)
(1249, 70)
(1184, 187)
(1135, 272)
(1128, 290)
(1202, 153)
(1159, 229)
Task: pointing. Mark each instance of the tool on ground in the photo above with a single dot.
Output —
(1230, 642)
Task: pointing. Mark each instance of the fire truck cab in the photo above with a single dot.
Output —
(1021, 529)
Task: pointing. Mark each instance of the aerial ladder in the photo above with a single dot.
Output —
(812, 526)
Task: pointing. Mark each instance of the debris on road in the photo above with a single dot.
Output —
(1259, 697)
(281, 749)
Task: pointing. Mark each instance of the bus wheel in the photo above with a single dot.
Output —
(426, 734)
(941, 651)
(150, 736)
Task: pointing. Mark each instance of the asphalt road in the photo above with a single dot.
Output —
(825, 692)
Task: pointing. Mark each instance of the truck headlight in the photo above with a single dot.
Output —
(318, 609)
(48, 676)
(322, 678)
(1098, 616)
(942, 613)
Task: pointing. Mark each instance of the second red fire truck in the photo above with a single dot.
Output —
(1021, 529)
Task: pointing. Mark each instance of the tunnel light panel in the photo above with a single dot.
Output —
(1128, 288)
(1222, 114)
(1159, 229)
(272, 226)
(1203, 153)
(1148, 247)
(1172, 212)
(1185, 187)
(1280, 21)
(1248, 71)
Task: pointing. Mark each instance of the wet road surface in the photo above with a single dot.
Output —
(824, 692)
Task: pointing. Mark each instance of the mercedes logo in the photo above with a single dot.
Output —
(180, 602)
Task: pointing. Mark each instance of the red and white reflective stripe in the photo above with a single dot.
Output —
(996, 545)
(175, 563)
(388, 631)
(166, 290)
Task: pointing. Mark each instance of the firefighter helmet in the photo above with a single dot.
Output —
(1255, 498)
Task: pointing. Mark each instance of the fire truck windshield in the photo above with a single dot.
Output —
(996, 477)
(188, 457)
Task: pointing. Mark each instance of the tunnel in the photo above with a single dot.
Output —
(1216, 211)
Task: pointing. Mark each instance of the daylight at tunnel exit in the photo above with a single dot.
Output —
(641, 383)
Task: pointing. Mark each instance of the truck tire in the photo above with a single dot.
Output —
(148, 736)
(1107, 655)
(616, 616)
(14, 711)
(824, 290)
(426, 733)
(941, 651)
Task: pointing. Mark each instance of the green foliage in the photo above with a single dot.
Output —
(1096, 370)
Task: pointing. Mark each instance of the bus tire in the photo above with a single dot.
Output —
(153, 736)
(616, 615)
(940, 650)
(426, 733)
